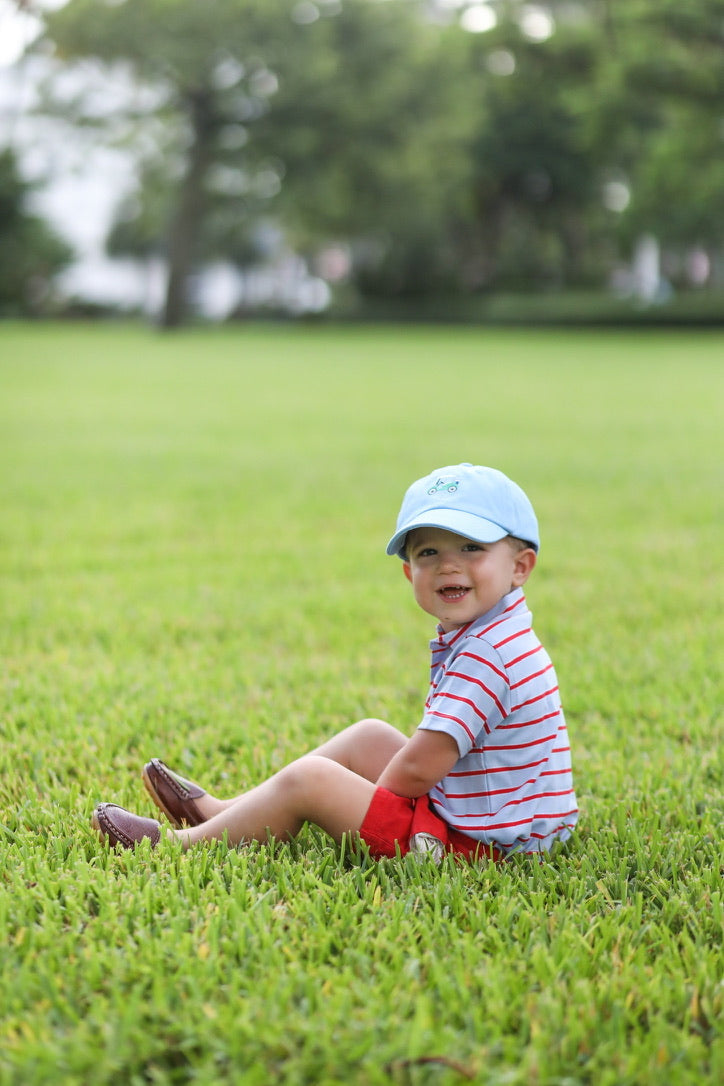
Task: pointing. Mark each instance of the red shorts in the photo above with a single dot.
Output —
(391, 821)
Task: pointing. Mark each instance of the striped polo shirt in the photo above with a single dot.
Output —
(494, 690)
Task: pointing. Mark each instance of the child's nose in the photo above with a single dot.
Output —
(448, 560)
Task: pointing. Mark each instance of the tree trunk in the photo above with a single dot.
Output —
(186, 223)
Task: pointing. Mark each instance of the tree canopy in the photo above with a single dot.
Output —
(338, 123)
(445, 160)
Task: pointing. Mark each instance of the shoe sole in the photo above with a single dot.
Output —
(157, 800)
(97, 827)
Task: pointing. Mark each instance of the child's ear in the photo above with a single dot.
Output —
(524, 564)
(407, 571)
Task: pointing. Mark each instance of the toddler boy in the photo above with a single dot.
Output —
(488, 770)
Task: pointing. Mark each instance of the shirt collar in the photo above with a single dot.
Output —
(478, 624)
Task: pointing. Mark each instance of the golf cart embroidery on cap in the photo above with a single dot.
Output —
(448, 484)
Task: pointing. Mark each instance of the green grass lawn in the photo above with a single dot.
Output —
(192, 533)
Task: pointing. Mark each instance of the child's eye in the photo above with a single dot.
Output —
(426, 552)
(473, 547)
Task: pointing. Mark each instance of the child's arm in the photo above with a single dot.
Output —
(423, 761)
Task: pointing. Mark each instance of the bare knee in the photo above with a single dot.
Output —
(365, 747)
(374, 744)
(317, 789)
(374, 730)
(305, 777)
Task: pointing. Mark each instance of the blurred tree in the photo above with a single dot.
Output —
(204, 64)
(30, 253)
(374, 137)
(334, 115)
(525, 156)
(605, 129)
(532, 183)
(536, 212)
(657, 84)
(671, 63)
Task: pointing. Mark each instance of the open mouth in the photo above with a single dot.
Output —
(451, 593)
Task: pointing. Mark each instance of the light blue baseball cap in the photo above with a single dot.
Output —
(480, 503)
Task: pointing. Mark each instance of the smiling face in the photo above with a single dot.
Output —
(457, 580)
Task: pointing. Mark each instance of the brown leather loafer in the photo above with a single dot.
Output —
(173, 794)
(121, 828)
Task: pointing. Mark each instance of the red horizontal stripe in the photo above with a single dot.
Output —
(455, 720)
(529, 678)
(562, 826)
(503, 617)
(532, 701)
(460, 633)
(530, 652)
(492, 792)
(516, 822)
(565, 772)
(483, 660)
(477, 682)
(522, 800)
(501, 620)
(466, 701)
(498, 622)
(445, 646)
(497, 769)
(491, 825)
(522, 746)
(512, 637)
(529, 723)
(516, 603)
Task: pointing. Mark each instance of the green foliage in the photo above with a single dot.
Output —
(665, 74)
(379, 111)
(357, 113)
(447, 162)
(533, 163)
(170, 40)
(679, 184)
(30, 253)
(193, 557)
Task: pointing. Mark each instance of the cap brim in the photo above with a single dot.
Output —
(451, 520)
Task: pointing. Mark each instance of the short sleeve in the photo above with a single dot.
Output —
(470, 697)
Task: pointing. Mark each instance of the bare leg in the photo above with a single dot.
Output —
(314, 788)
(365, 748)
